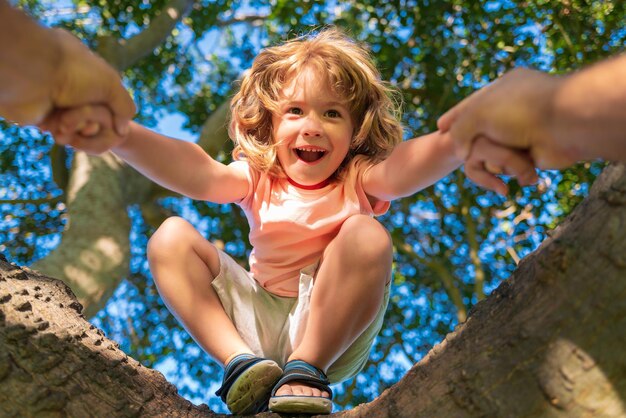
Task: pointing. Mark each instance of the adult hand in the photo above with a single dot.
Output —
(83, 78)
(43, 69)
(487, 160)
(515, 111)
(87, 128)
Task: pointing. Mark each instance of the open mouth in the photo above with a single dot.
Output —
(309, 154)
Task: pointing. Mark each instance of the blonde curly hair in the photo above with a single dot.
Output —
(349, 70)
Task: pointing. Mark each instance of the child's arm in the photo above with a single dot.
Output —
(180, 166)
(417, 163)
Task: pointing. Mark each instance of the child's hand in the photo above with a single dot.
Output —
(487, 160)
(86, 128)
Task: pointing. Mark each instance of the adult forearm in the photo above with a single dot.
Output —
(590, 111)
(29, 55)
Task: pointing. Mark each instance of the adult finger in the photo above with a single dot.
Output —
(503, 160)
(123, 109)
(475, 171)
(91, 129)
(48, 124)
(51, 124)
(493, 159)
(89, 145)
(446, 120)
(121, 125)
(449, 122)
(95, 146)
(78, 119)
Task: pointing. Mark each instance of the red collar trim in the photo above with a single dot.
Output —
(311, 187)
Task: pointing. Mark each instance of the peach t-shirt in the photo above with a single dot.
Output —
(290, 227)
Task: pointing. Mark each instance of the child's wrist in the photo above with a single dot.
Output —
(448, 145)
(124, 144)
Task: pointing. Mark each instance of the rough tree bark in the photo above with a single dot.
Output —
(549, 342)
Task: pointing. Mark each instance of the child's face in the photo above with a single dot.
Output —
(313, 128)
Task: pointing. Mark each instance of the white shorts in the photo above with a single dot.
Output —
(272, 325)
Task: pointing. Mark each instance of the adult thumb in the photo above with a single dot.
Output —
(123, 109)
(445, 121)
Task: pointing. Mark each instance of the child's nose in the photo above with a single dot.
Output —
(312, 127)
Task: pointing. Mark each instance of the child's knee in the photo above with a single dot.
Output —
(170, 238)
(368, 238)
(176, 241)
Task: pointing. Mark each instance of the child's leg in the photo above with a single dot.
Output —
(347, 295)
(184, 264)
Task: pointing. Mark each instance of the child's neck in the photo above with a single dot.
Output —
(311, 187)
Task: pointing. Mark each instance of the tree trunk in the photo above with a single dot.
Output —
(94, 253)
(549, 342)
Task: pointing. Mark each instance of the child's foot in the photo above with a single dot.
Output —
(303, 388)
(297, 388)
(247, 384)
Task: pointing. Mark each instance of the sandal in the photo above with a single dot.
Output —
(248, 381)
(303, 372)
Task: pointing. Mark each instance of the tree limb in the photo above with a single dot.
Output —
(124, 54)
(214, 134)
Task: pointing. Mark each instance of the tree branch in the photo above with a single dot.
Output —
(214, 134)
(124, 54)
(54, 363)
(255, 20)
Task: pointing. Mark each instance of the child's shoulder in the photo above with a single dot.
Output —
(360, 162)
(354, 169)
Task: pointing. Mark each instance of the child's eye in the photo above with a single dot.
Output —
(295, 111)
(333, 114)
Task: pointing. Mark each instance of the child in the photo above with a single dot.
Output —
(318, 153)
